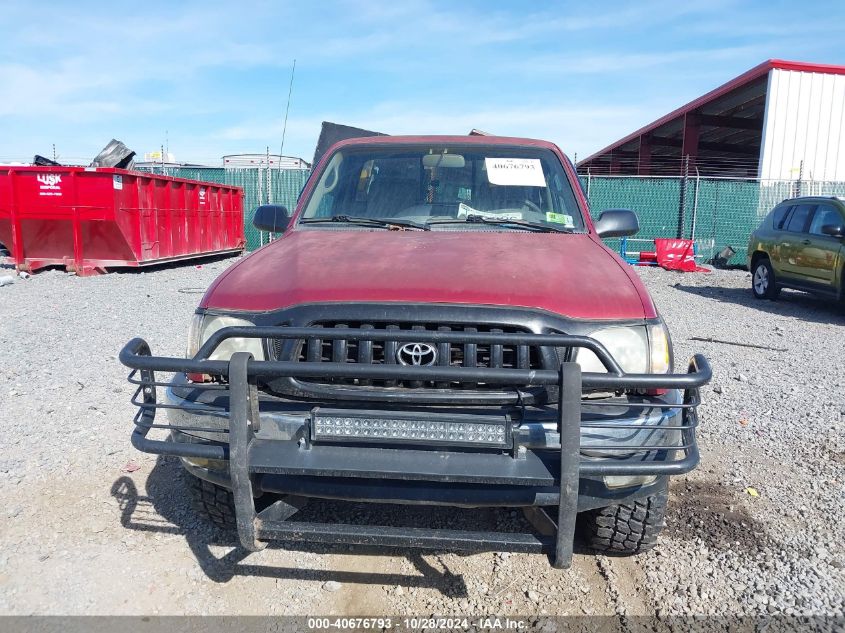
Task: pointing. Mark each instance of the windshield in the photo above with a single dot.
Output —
(447, 186)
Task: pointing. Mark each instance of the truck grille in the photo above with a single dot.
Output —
(385, 352)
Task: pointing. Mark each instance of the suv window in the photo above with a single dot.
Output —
(778, 216)
(825, 214)
(799, 218)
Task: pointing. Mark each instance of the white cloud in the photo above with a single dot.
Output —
(624, 62)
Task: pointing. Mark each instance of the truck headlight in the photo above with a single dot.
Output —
(204, 325)
(638, 349)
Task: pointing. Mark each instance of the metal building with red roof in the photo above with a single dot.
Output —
(780, 120)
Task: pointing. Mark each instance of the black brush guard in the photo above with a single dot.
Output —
(249, 456)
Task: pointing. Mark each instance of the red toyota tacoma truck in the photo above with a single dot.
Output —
(439, 323)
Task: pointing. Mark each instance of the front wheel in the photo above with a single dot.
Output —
(212, 502)
(763, 283)
(628, 528)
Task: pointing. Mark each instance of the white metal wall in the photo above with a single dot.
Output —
(804, 121)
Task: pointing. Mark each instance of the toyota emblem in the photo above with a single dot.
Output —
(417, 354)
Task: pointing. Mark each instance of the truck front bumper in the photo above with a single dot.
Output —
(553, 456)
(418, 476)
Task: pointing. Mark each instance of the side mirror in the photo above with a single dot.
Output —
(271, 217)
(834, 230)
(617, 223)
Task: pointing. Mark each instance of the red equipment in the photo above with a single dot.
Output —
(647, 258)
(89, 219)
(676, 254)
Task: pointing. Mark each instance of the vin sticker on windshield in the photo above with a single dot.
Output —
(560, 218)
(464, 211)
(522, 172)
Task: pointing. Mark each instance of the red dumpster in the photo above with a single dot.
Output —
(89, 219)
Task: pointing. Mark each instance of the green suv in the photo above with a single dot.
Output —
(801, 245)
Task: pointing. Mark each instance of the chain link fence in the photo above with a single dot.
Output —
(260, 184)
(715, 212)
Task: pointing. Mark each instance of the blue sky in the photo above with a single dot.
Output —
(214, 76)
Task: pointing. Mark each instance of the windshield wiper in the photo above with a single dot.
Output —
(380, 222)
(480, 219)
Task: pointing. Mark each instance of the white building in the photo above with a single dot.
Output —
(804, 125)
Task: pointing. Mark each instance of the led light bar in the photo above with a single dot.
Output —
(387, 427)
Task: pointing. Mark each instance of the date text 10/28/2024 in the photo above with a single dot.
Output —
(491, 623)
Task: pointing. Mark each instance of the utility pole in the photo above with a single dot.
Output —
(267, 171)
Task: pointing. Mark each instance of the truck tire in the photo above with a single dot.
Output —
(212, 502)
(627, 528)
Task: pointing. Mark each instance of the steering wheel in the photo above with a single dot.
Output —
(533, 206)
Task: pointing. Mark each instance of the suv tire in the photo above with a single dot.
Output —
(627, 528)
(212, 502)
(763, 283)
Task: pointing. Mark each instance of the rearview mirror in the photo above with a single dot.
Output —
(449, 161)
(617, 223)
(834, 230)
(271, 217)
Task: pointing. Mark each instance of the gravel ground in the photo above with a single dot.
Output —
(92, 526)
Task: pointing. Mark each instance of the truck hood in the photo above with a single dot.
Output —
(572, 275)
